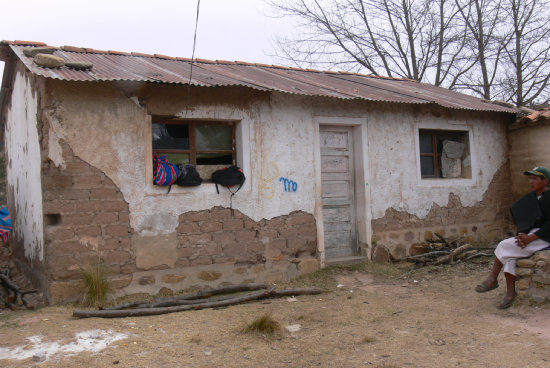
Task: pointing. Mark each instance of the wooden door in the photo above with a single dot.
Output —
(338, 188)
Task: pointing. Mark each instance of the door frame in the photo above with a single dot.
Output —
(361, 176)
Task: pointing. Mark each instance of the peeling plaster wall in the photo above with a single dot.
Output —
(109, 130)
(108, 126)
(394, 161)
(401, 204)
(23, 168)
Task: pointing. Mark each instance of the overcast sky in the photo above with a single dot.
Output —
(227, 29)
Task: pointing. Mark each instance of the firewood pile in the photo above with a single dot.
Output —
(11, 295)
(447, 251)
(196, 301)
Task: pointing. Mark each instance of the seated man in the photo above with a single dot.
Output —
(533, 234)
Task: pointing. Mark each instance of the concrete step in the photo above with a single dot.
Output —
(346, 260)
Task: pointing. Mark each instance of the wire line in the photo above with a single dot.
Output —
(192, 58)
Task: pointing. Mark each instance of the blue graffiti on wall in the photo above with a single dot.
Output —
(290, 185)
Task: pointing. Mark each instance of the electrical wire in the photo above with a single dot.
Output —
(192, 58)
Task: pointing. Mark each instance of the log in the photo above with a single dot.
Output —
(443, 240)
(13, 289)
(198, 295)
(223, 290)
(216, 304)
(174, 302)
(450, 257)
(429, 254)
(479, 254)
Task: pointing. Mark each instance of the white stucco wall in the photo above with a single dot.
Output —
(395, 169)
(23, 168)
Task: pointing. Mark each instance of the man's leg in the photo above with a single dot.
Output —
(510, 285)
(491, 282)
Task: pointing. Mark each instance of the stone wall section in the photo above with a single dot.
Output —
(399, 233)
(218, 236)
(216, 248)
(533, 275)
(86, 222)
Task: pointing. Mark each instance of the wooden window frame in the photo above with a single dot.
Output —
(435, 154)
(192, 151)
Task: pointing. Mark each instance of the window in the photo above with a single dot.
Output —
(209, 145)
(444, 154)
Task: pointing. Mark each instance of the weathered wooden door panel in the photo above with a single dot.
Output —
(338, 191)
(340, 241)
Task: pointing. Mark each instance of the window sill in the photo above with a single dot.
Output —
(204, 188)
(442, 182)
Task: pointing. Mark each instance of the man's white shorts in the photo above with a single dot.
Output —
(508, 251)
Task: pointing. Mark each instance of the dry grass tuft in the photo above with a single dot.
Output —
(368, 339)
(96, 285)
(195, 339)
(265, 325)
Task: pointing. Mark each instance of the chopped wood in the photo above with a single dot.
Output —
(443, 240)
(446, 251)
(451, 257)
(13, 295)
(114, 313)
(479, 254)
(428, 255)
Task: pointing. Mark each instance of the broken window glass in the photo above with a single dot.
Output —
(443, 154)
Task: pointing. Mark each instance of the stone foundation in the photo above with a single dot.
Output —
(398, 233)
(214, 248)
(533, 277)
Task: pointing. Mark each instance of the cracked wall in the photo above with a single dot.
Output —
(97, 146)
(23, 158)
(486, 222)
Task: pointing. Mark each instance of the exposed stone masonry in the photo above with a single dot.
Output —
(86, 220)
(534, 277)
(215, 236)
(489, 220)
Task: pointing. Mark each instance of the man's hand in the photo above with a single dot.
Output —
(523, 239)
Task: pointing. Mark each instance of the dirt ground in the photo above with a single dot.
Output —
(369, 316)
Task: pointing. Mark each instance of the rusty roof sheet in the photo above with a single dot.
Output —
(138, 67)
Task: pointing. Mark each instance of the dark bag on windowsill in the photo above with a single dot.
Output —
(229, 177)
(189, 176)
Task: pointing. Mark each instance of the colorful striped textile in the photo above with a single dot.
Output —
(5, 223)
(164, 173)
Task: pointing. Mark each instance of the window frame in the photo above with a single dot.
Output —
(459, 134)
(192, 151)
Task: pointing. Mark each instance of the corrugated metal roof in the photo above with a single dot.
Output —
(137, 67)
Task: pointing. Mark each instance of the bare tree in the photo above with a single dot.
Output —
(490, 48)
(483, 19)
(402, 38)
(526, 77)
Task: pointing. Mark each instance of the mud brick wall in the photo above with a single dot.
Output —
(215, 236)
(399, 233)
(534, 277)
(86, 222)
